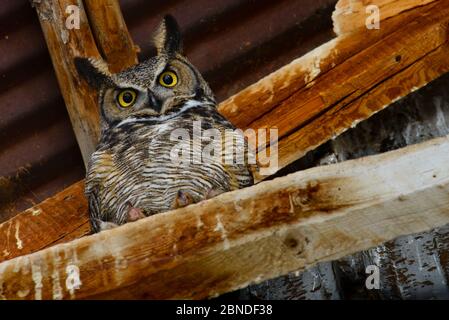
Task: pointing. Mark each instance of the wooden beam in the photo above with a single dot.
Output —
(111, 34)
(362, 73)
(65, 41)
(349, 16)
(58, 219)
(405, 76)
(407, 60)
(250, 103)
(64, 44)
(247, 235)
(347, 114)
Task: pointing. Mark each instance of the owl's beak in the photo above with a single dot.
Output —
(155, 103)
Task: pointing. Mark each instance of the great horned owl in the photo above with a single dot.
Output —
(132, 173)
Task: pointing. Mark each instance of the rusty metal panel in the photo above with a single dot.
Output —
(233, 42)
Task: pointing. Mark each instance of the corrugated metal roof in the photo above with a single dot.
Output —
(233, 42)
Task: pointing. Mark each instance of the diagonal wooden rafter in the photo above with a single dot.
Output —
(350, 16)
(266, 94)
(111, 34)
(411, 51)
(79, 41)
(247, 235)
(313, 76)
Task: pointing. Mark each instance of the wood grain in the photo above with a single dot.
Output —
(111, 34)
(64, 44)
(249, 104)
(60, 218)
(346, 115)
(400, 62)
(361, 73)
(349, 16)
(248, 235)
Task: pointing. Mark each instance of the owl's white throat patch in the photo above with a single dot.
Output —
(188, 105)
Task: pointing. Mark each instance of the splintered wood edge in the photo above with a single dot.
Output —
(248, 235)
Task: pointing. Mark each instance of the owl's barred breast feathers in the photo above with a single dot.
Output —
(133, 164)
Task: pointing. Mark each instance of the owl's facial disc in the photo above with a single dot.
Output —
(158, 86)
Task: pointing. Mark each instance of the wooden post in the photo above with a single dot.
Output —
(67, 39)
(64, 44)
(111, 34)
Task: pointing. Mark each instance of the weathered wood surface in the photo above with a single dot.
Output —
(349, 15)
(64, 44)
(394, 81)
(61, 218)
(265, 95)
(111, 34)
(410, 267)
(66, 41)
(411, 56)
(248, 235)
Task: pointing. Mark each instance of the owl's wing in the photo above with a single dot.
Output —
(94, 209)
(100, 168)
(241, 174)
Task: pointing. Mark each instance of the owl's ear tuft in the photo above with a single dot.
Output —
(94, 71)
(167, 38)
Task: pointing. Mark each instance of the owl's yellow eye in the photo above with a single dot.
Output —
(168, 79)
(126, 98)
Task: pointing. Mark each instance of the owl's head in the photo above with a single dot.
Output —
(153, 88)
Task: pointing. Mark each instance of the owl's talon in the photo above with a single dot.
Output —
(183, 199)
(106, 225)
(213, 193)
(134, 213)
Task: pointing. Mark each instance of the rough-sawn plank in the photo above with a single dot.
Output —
(248, 235)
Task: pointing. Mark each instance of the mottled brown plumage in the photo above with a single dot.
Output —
(132, 174)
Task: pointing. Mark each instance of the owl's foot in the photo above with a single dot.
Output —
(183, 199)
(134, 213)
(213, 193)
(105, 225)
